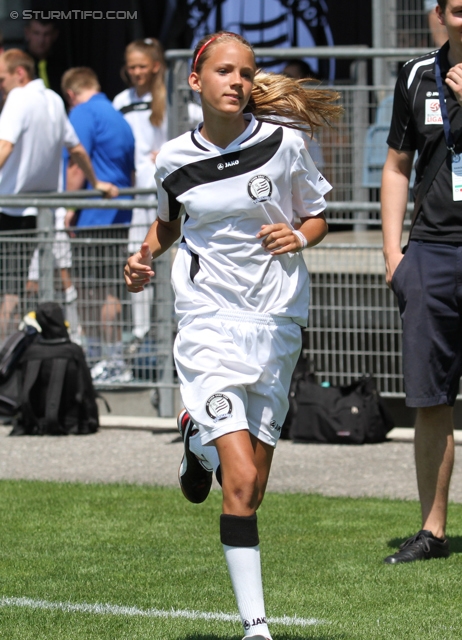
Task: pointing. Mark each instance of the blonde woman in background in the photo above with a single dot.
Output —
(144, 106)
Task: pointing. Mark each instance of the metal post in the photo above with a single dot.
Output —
(359, 125)
(179, 97)
(45, 226)
(384, 34)
(164, 322)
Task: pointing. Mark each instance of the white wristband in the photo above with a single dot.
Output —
(302, 239)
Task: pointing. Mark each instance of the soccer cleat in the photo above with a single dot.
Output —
(195, 480)
(422, 546)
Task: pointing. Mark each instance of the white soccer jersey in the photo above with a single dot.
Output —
(137, 111)
(265, 176)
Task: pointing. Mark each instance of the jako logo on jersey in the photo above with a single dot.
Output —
(222, 166)
(219, 407)
(260, 188)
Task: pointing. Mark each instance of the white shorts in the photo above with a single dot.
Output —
(235, 370)
(61, 248)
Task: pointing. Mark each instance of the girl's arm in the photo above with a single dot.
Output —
(281, 238)
(138, 270)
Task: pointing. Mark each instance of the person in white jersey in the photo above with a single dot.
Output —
(33, 130)
(241, 285)
(144, 106)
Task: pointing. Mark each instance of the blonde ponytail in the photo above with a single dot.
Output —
(276, 96)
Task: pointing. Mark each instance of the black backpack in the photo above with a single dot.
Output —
(10, 375)
(57, 393)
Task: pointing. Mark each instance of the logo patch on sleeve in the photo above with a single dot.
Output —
(219, 407)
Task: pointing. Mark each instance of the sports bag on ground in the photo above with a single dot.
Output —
(349, 414)
(57, 393)
(10, 375)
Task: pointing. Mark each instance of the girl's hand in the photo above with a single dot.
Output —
(279, 238)
(138, 271)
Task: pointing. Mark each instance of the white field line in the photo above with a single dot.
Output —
(116, 610)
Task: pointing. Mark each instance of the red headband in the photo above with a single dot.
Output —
(201, 50)
(204, 46)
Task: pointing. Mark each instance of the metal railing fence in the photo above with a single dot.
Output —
(49, 262)
(354, 326)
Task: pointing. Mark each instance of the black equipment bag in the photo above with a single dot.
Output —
(10, 375)
(350, 414)
(57, 393)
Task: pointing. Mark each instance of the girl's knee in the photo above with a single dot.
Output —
(241, 491)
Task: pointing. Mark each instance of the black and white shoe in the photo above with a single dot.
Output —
(195, 479)
(422, 546)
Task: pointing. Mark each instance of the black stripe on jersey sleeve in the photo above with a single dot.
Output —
(136, 106)
(207, 171)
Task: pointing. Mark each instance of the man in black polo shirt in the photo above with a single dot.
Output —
(427, 280)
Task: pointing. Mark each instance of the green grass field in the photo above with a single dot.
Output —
(153, 563)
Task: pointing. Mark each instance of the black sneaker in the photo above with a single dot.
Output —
(422, 546)
(195, 480)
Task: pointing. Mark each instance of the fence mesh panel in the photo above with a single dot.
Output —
(101, 313)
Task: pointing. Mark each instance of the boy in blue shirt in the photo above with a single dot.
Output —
(109, 142)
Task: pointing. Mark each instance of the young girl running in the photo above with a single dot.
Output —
(240, 282)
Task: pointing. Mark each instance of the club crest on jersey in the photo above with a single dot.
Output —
(260, 188)
(225, 165)
(219, 407)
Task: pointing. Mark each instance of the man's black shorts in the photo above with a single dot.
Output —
(16, 251)
(428, 285)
